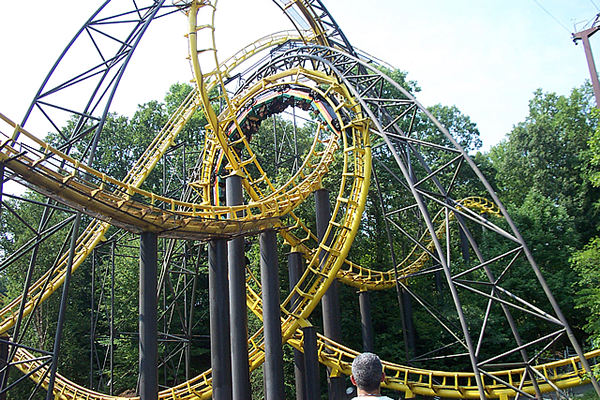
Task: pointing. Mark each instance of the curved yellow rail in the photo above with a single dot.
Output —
(94, 232)
(368, 279)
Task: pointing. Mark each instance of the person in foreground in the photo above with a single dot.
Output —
(367, 375)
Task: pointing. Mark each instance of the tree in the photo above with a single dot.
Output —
(548, 153)
(587, 260)
(541, 174)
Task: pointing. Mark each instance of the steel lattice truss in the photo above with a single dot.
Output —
(453, 252)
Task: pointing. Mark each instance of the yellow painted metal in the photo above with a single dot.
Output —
(286, 197)
(94, 232)
(368, 279)
(364, 278)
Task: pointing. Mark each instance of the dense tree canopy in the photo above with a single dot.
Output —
(543, 172)
(546, 172)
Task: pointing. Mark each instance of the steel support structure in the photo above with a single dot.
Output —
(311, 364)
(366, 323)
(91, 115)
(148, 324)
(220, 346)
(404, 301)
(240, 372)
(1, 184)
(330, 303)
(62, 310)
(4, 339)
(3, 365)
(269, 276)
(295, 270)
(112, 301)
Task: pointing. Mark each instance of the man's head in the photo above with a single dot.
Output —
(367, 372)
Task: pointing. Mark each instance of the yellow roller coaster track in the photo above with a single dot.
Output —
(267, 201)
(95, 231)
(368, 279)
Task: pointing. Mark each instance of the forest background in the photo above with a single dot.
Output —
(546, 172)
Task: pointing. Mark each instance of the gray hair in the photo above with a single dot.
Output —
(367, 371)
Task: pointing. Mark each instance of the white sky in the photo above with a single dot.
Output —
(484, 56)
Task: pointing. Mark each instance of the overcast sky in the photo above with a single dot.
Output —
(484, 56)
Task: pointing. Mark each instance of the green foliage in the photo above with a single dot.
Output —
(543, 171)
(548, 153)
(589, 395)
(586, 262)
(459, 125)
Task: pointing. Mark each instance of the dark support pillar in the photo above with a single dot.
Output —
(330, 302)
(464, 244)
(295, 270)
(148, 317)
(364, 301)
(220, 350)
(269, 276)
(311, 364)
(92, 326)
(3, 365)
(112, 315)
(240, 373)
(1, 183)
(409, 326)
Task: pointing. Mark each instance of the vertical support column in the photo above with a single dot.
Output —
(240, 372)
(3, 365)
(148, 316)
(269, 276)
(410, 336)
(1, 184)
(112, 315)
(311, 364)
(295, 270)
(330, 302)
(464, 244)
(92, 325)
(366, 324)
(220, 350)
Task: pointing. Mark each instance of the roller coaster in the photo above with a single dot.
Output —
(371, 144)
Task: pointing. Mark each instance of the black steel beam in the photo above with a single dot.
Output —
(148, 335)
(240, 372)
(220, 350)
(311, 364)
(269, 276)
(330, 302)
(366, 324)
(295, 270)
(3, 366)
